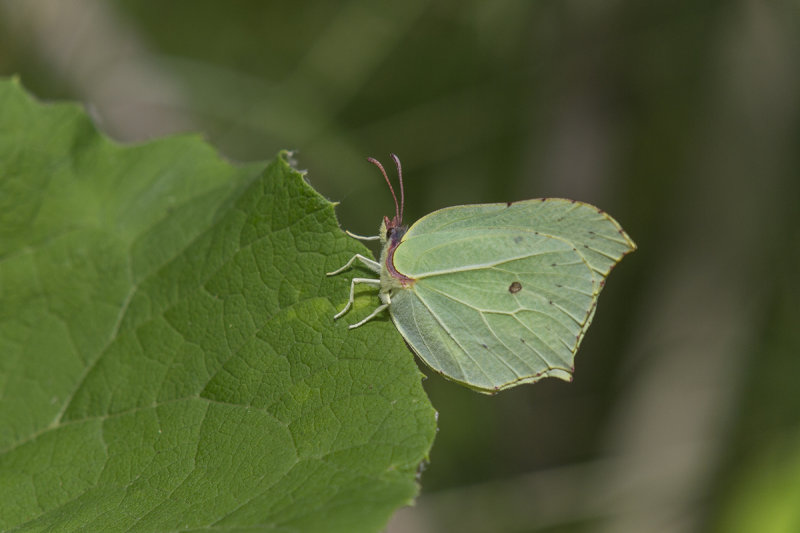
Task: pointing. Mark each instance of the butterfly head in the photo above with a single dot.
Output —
(392, 230)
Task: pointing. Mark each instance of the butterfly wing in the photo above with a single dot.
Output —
(597, 236)
(504, 294)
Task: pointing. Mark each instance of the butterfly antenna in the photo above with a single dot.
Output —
(389, 183)
(402, 189)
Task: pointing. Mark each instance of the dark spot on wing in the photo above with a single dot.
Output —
(515, 287)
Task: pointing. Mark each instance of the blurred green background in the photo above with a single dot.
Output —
(681, 119)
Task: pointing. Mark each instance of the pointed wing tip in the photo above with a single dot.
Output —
(632, 247)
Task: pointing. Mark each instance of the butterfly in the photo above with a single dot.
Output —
(492, 295)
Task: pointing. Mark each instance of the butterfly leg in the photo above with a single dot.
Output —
(362, 238)
(369, 263)
(364, 281)
(370, 317)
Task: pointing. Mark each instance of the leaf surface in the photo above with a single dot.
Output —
(168, 360)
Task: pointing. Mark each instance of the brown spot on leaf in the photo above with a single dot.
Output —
(515, 287)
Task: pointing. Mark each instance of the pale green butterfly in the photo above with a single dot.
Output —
(493, 295)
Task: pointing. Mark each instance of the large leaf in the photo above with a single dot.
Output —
(168, 358)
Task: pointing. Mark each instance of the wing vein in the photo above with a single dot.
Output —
(517, 356)
(514, 316)
(612, 239)
(484, 266)
(498, 356)
(450, 334)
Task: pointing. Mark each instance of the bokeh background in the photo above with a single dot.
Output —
(681, 119)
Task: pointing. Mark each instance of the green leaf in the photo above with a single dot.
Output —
(168, 357)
